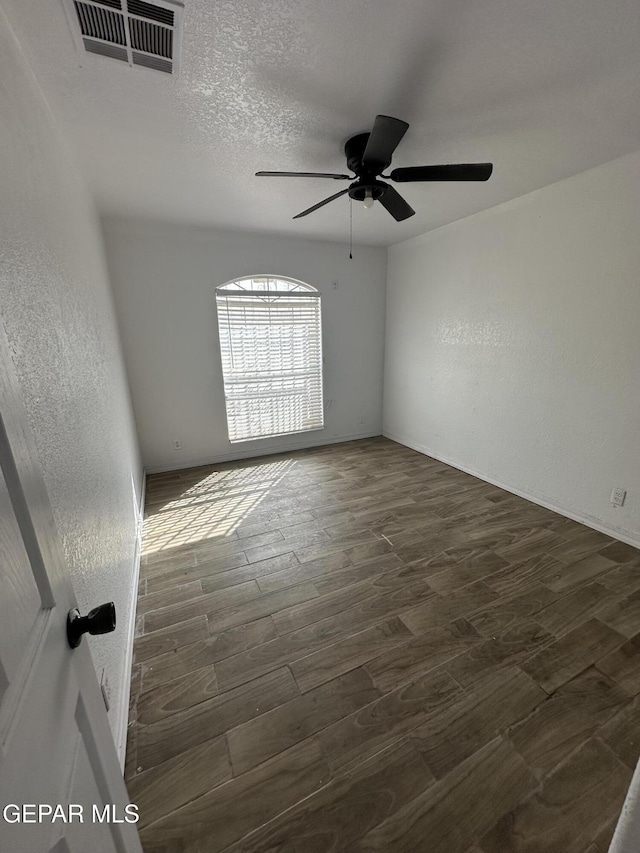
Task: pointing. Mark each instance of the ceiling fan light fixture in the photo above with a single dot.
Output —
(367, 201)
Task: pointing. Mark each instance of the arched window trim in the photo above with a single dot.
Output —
(264, 286)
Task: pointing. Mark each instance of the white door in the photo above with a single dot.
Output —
(56, 747)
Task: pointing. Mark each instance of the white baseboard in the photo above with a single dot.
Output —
(575, 515)
(125, 689)
(250, 454)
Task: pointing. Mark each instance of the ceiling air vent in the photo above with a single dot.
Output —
(137, 32)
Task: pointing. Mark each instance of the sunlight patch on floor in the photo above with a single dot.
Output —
(213, 507)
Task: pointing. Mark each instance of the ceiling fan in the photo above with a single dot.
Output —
(368, 154)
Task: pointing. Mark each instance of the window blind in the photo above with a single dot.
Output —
(271, 348)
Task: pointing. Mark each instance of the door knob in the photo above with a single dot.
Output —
(100, 620)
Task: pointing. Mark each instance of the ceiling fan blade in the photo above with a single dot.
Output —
(301, 175)
(321, 203)
(396, 205)
(456, 172)
(383, 141)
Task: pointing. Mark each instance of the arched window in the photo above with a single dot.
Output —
(271, 348)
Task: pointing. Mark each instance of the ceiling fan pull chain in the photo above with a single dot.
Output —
(350, 228)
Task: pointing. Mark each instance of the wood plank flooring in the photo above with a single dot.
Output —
(359, 648)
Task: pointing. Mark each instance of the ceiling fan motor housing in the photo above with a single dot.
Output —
(367, 183)
(354, 150)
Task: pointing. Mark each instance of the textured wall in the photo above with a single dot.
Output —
(164, 278)
(57, 309)
(512, 344)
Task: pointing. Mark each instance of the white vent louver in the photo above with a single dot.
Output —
(134, 31)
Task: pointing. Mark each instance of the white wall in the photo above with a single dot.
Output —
(56, 306)
(513, 345)
(164, 277)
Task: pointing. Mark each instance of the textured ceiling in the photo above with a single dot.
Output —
(543, 89)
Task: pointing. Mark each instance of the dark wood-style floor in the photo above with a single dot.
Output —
(360, 648)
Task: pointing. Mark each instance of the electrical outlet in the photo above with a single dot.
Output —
(617, 496)
(177, 444)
